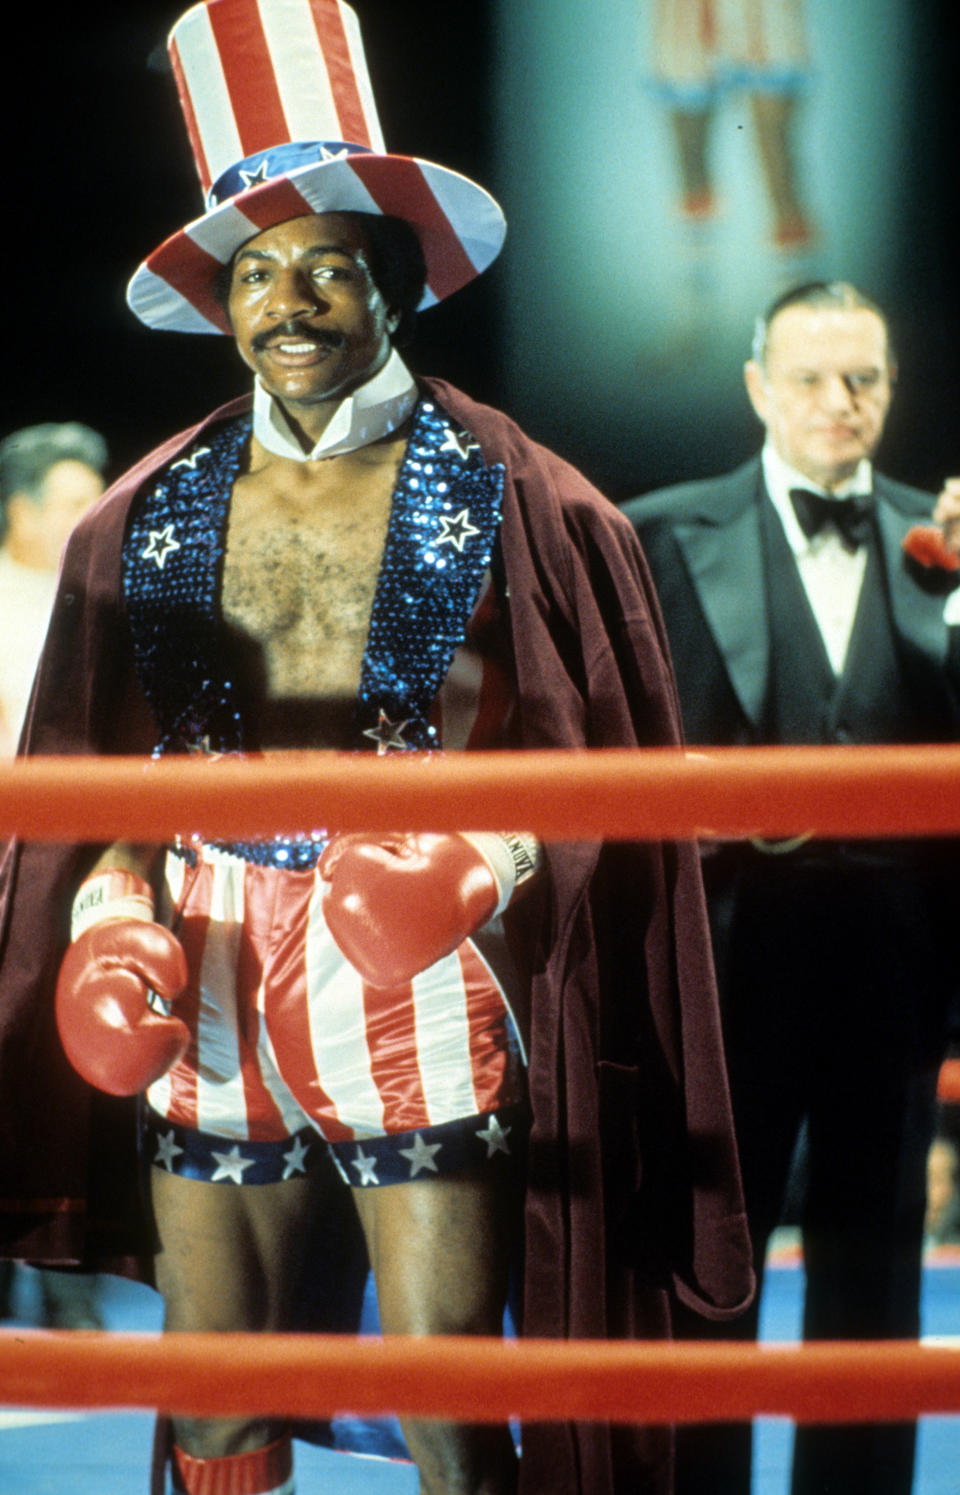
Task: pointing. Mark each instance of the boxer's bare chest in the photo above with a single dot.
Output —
(304, 544)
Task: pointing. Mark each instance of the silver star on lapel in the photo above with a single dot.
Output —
(460, 442)
(386, 734)
(191, 459)
(456, 530)
(162, 544)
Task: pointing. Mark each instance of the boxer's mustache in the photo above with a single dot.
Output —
(325, 337)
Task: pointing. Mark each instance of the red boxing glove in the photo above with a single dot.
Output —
(111, 1034)
(395, 904)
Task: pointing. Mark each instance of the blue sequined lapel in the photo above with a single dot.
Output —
(172, 570)
(443, 527)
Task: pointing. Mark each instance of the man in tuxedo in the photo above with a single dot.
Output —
(796, 615)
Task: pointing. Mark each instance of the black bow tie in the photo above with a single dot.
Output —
(850, 515)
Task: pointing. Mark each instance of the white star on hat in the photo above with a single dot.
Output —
(421, 1155)
(366, 1166)
(230, 1165)
(254, 178)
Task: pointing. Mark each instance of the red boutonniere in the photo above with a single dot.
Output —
(925, 543)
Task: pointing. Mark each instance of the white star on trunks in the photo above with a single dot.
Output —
(161, 545)
(495, 1137)
(167, 1151)
(386, 734)
(295, 1159)
(460, 442)
(456, 531)
(421, 1155)
(366, 1166)
(191, 460)
(230, 1165)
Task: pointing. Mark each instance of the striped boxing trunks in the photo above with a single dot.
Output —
(291, 1049)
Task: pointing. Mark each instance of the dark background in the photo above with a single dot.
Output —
(99, 171)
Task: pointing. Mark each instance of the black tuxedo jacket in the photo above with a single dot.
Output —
(703, 543)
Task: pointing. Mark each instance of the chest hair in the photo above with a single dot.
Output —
(304, 544)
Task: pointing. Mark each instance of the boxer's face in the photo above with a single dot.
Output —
(823, 389)
(305, 312)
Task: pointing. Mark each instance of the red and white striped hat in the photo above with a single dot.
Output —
(282, 121)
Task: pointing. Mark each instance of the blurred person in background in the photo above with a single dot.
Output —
(942, 1224)
(49, 475)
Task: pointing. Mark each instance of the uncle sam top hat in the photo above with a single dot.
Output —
(282, 122)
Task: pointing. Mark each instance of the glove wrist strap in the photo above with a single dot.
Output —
(113, 893)
(512, 856)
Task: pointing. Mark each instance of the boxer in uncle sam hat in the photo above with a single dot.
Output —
(425, 1032)
(282, 121)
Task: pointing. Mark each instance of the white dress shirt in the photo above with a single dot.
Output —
(832, 574)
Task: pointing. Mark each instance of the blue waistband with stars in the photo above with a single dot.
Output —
(451, 1147)
(222, 1160)
(431, 1151)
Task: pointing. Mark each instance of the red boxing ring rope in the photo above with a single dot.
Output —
(477, 1380)
(560, 796)
(630, 794)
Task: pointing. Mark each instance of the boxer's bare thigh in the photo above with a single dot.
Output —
(440, 1250)
(229, 1258)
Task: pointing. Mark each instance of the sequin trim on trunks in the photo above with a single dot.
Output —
(451, 1147)
(285, 853)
